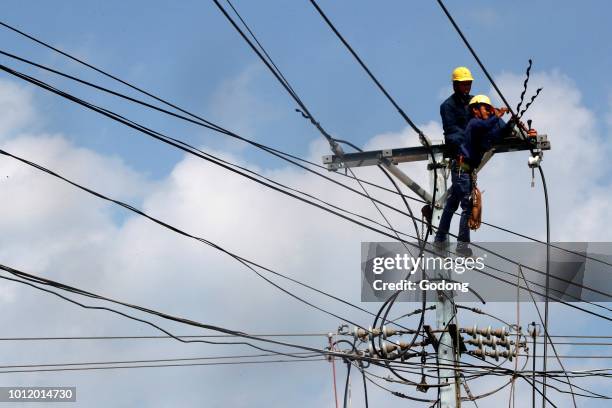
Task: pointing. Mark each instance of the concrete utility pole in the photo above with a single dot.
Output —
(446, 313)
(450, 396)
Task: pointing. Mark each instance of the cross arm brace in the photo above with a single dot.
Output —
(420, 153)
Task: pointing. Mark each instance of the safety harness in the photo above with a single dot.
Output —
(475, 217)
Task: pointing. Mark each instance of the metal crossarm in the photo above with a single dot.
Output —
(420, 153)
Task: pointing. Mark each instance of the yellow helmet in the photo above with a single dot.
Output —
(461, 74)
(480, 99)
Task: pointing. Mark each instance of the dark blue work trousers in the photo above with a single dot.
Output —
(459, 194)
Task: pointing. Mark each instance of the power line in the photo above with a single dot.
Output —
(44, 281)
(159, 360)
(27, 279)
(115, 367)
(288, 87)
(248, 263)
(266, 148)
(52, 338)
(267, 60)
(242, 260)
(215, 127)
(185, 147)
(545, 190)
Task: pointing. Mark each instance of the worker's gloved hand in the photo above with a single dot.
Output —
(499, 112)
(532, 133)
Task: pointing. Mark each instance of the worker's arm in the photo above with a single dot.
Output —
(490, 130)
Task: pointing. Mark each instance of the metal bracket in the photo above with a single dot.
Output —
(432, 338)
(452, 329)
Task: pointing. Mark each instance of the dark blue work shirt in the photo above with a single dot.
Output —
(480, 136)
(455, 117)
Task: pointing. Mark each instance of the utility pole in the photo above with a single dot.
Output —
(446, 312)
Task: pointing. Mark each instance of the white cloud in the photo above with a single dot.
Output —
(576, 168)
(485, 16)
(16, 108)
(235, 101)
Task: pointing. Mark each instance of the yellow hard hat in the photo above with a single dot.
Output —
(461, 74)
(480, 99)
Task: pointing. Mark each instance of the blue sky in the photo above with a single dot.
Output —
(185, 51)
(188, 53)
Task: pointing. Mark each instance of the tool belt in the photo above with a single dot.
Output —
(461, 165)
(464, 167)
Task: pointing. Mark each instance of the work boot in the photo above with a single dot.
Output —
(464, 250)
(439, 248)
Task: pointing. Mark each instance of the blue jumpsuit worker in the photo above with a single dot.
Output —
(483, 130)
(454, 110)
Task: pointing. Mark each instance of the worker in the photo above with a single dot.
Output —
(483, 130)
(454, 110)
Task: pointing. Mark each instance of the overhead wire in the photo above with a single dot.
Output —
(303, 108)
(160, 137)
(313, 2)
(116, 367)
(28, 278)
(247, 263)
(194, 336)
(157, 360)
(542, 177)
(548, 237)
(203, 122)
(389, 304)
(144, 130)
(107, 115)
(34, 282)
(266, 148)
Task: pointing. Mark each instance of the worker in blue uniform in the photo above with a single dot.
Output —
(454, 110)
(484, 129)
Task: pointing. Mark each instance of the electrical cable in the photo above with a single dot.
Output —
(543, 179)
(144, 131)
(159, 360)
(27, 279)
(365, 384)
(221, 363)
(276, 72)
(547, 298)
(240, 259)
(545, 342)
(212, 158)
(423, 139)
(155, 337)
(346, 385)
(168, 317)
(546, 316)
(203, 122)
(249, 264)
